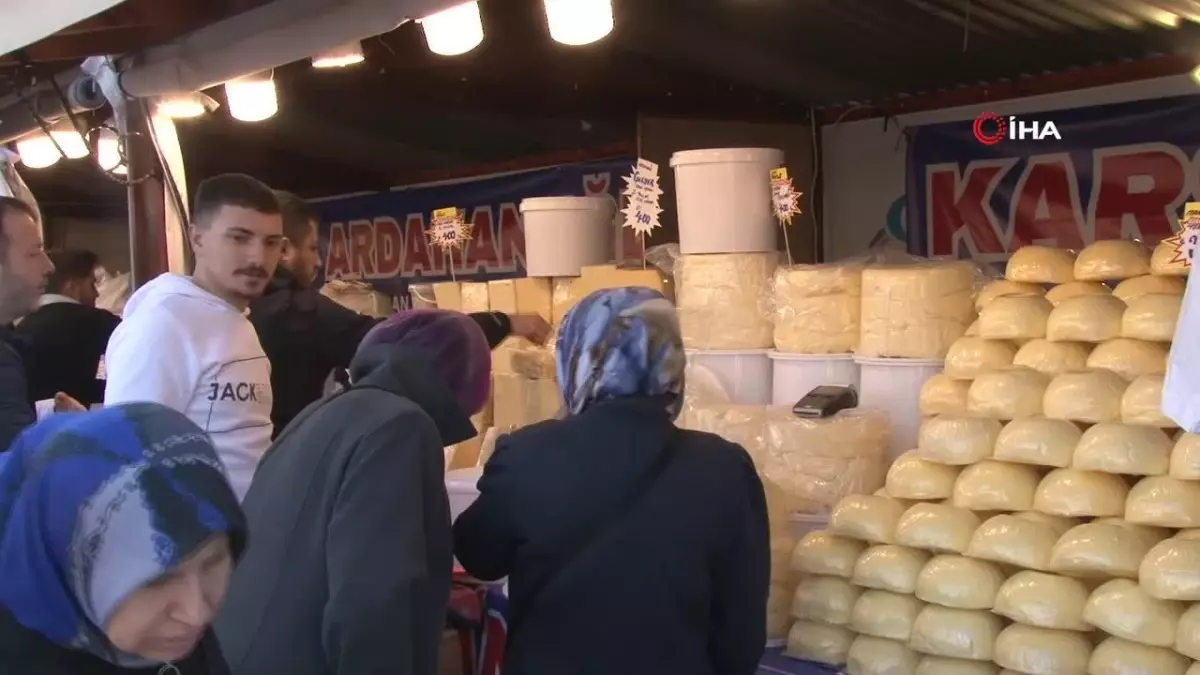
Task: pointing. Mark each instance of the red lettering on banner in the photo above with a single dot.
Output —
(389, 247)
(1147, 186)
(481, 251)
(1046, 205)
(362, 248)
(338, 264)
(511, 243)
(961, 203)
(417, 258)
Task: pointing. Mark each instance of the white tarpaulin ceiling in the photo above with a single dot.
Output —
(25, 22)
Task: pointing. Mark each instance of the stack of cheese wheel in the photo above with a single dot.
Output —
(1048, 522)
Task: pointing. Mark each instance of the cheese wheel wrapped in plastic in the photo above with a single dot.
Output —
(956, 633)
(889, 567)
(1007, 393)
(1040, 265)
(1115, 656)
(996, 486)
(1131, 449)
(866, 517)
(1185, 457)
(870, 655)
(824, 600)
(817, 308)
(941, 665)
(1043, 600)
(1014, 541)
(1038, 441)
(1015, 317)
(1122, 608)
(1164, 502)
(1148, 533)
(957, 440)
(1002, 288)
(973, 329)
(960, 582)
(1171, 570)
(915, 311)
(1086, 318)
(818, 642)
(1075, 493)
(1129, 358)
(1112, 260)
(885, 614)
(1099, 550)
(911, 477)
(1053, 358)
(1075, 289)
(1187, 635)
(943, 395)
(968, 357)
(1042, 651)
(823, 552)
(1060, 524)
(1086, 396)
(937, 527)
(1152, 317)
(1166, 261)
(1141, 403)
(1136, 287)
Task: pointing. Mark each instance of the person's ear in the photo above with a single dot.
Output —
(195, 237)
(285, 249)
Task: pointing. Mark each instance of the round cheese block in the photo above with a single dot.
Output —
(1164, 502)
(960, 582)
(1112, 260)
(1043, 600)
(1171, 570)
(1115, 656)
(944, 395)
(1124, 449)
(1074, 289)
(1085, 396)
(889, 567)
(1013, 540)
(996, 486)
(1122, 608)
(1007, 393)
(940, 665)
(1185, 457)
(957, 633)
(1041, 651)
(1166, 261)
(1040, 265)
(1053, 358)
(1129, 358)
(1086, 318)
(1152, 317)
(823, 552)
(866, 517)
(824, 600)
(1075, 493)
(968, 357)
(877, 656)
(884, 614)
(1100, 550)
(1015, 317)
(1038, 441)
(1000, 288)
(1140, 404)
(1136, 287)
(911, 477)
(1187, 635)
(941, 528)
(957, 440)
(818, 642)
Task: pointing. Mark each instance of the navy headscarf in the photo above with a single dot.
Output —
(619, 343)
(95, 505)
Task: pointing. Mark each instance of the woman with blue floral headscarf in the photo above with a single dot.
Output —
(118, 533)
(630, 546)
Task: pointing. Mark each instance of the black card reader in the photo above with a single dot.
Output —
(826, 400)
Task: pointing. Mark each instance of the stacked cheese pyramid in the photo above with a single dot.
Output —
(1043, 524)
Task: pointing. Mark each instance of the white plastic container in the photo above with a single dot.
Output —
(462, 490)
(794, 375)
(744, 374)
(723, 200)
(894, 386)
(565, 234)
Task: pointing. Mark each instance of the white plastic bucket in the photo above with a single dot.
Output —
(565, 234)
(794, 375)
(744, 374)
(894, 386)
(723, 200)
(462, 490)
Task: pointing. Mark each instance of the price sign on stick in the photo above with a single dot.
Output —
(785, 200)
(642, 194)
(1187, 242)
(448, 231)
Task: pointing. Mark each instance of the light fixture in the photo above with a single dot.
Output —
(108, 152)
(1196, 74)
(38, 151)
(182, 106)
(454, 31)
(69, 140)
(346, 55)
(579, 22)
(252, 98)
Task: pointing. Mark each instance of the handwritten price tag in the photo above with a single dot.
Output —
(785, 200)
(448, 230)
(642, 192)
(1188, 240)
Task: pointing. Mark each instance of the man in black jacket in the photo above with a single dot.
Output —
(307, 335)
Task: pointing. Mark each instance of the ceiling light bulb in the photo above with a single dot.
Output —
(579, 22)
(38, 151)
(454, 31)
(181, 106)
(69, 140)
(108, 152)
(346, 55)
(252, 99)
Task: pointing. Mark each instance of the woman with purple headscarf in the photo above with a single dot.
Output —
(351, 564)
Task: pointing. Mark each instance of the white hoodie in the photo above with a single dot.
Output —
(185, 348)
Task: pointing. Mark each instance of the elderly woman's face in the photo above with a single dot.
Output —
(165, 619)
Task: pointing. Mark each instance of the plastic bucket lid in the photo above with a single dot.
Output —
(725, 155)
(727, 352)
(565, 204)
(784, 356)
(900, 363)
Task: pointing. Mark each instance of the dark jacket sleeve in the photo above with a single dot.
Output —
(742, 581)
(15, 411)
(496, 326)
(484, 535)
(340, 328)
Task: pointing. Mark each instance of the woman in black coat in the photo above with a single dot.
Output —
(631, 546)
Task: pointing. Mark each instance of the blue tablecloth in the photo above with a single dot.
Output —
(775, 663)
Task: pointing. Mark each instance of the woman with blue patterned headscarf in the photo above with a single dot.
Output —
(118, 532)
(630, 546)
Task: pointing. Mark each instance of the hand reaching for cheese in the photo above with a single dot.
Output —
(65, 403)
(531, 327)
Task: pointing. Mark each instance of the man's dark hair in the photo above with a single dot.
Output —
(298, 216)
(70, 265)
(231, 189)
(9, 206)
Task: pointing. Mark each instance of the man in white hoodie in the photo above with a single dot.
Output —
(185, 342)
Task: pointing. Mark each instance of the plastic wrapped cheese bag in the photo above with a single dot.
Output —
(1122, 608)
(996, 486)
(1136, 287)
(957, 440)
(1185, 457)
(889, 567)
(1099, 550)
(940, 665)
(824, 600)
(1014, 541)
(723, 300)
(1129, 358)
(943, 395)
(1166, 261)
(911, 477)
(968, 357)
(866, 517)
(1130, 449)
(937, 527)
(1151, 317)
(1040, 265)
(878, 656)
(885, 614)
(1171, 570)
(959, 582)
(819, 461)
(741, 424)
(1038, 441)
(1141, 403)
(1187, 636)
(1074, 289)
(1043, 600)
(1164, 502)
(1086, 318)
(823, 552)
(1015, 317)
(1075, 493)
(915, 311)
(1085, 396)
(779, 600)
(1053, 358)
(1002, 288)
(1112, 260)
(1115, 656)
(817, 308)
(1041, 651)
(818, 642)
(956, 633)
(1007, 393)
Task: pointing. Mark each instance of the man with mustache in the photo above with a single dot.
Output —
(185, 342)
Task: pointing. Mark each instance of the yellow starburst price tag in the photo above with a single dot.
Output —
(1187, 241)
(785, 200)
(448, 229)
